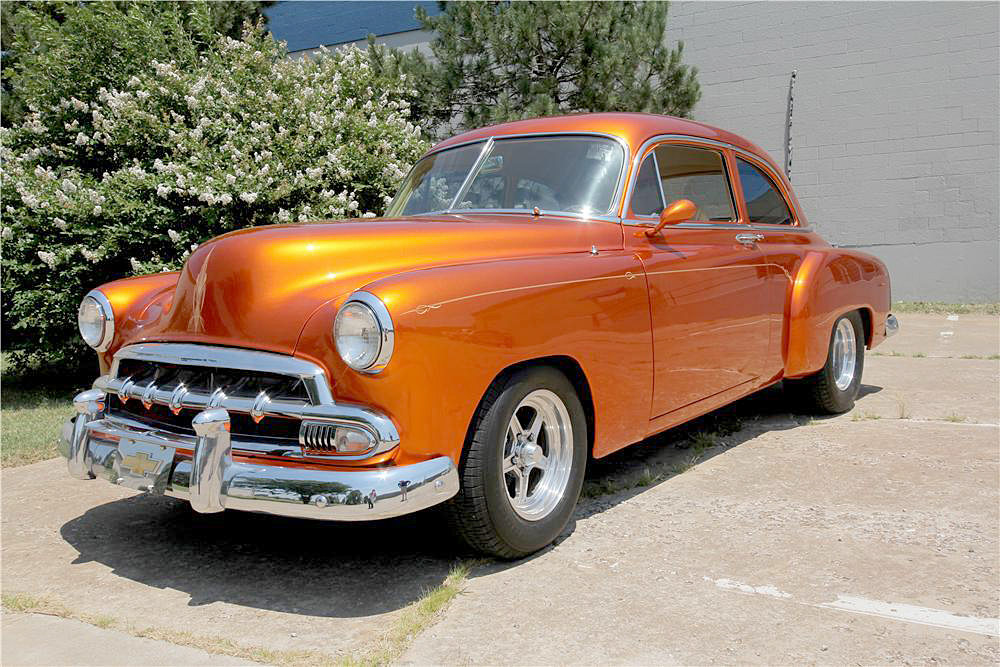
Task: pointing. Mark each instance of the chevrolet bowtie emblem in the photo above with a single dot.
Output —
(140, 463)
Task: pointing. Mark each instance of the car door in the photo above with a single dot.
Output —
(706, 277)
(781, 237)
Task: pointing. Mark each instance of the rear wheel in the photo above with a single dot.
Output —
(523, 465)
(834, 388)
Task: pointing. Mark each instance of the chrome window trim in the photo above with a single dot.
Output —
(388, 333)
(659, 180)
(757, 163)
(615, 198)
(517, 211)
(630, 187)
(108, 334)
(473, 170)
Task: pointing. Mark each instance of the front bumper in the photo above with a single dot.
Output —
(211, 480)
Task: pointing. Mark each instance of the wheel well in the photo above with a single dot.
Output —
(866, 321)
(569, 367)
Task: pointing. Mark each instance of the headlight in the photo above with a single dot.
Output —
(363, 333)
(96, 320)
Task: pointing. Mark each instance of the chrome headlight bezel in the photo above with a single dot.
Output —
(386, 331)
(107, 315)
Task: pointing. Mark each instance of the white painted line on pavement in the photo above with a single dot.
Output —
(945, 422)
(729, 584)
(909, 613)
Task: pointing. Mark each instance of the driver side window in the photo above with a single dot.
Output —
(673, 172)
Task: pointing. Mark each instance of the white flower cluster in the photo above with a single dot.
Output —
(250, 137)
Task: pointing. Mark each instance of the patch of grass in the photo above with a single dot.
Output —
(30, 421)
(919, 355)
(903, 410)
(702, 440)
(648, 478)
(864, 416)
(600, 487)
(941, 308)
(955, 418)
(686, 464)
(415, 619)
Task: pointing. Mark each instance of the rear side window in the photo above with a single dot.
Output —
(765, 205)
(675, 172)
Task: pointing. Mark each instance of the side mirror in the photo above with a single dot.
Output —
(681, 210)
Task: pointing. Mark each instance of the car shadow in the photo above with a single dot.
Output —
(268, 562)
(627, 473)
(363, 569)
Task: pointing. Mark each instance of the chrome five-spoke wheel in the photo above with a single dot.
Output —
(524, 462)
(537, 454)
(844, 351)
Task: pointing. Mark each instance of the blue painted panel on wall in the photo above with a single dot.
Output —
(308, 24)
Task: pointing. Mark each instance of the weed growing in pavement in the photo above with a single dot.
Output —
(954, 418)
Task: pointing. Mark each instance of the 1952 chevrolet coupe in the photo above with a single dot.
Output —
(538, 292)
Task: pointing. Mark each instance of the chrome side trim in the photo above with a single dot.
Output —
(891, 326)
(109, 319)
(213, 481)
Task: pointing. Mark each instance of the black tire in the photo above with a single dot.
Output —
(819, 392)
(481, 513)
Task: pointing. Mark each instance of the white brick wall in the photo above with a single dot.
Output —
(895, 134)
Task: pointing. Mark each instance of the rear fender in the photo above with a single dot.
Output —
(828, 284)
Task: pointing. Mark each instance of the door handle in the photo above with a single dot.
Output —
(749, 239)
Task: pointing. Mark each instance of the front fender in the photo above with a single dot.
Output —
(137, 302)
(829, 283)
(458, 327)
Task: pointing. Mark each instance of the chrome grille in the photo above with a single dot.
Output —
(269, 397)
(154, 376)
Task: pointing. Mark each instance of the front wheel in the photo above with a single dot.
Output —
(523, 464)
(833, 389)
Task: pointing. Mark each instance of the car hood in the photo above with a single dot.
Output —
(258, 287)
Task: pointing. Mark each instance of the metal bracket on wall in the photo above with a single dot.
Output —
(788, 125)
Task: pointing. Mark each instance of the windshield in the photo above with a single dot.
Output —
(568, 174)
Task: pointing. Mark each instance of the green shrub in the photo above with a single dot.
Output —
(128, 182)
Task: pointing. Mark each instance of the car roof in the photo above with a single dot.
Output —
(633, 128)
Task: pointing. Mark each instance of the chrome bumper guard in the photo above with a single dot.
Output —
(891, 326)
(143, 459)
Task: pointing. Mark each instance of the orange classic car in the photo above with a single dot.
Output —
(538, 292)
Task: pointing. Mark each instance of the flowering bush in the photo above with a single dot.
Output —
(129, 182)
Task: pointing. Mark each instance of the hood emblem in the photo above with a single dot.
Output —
(196, 323)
